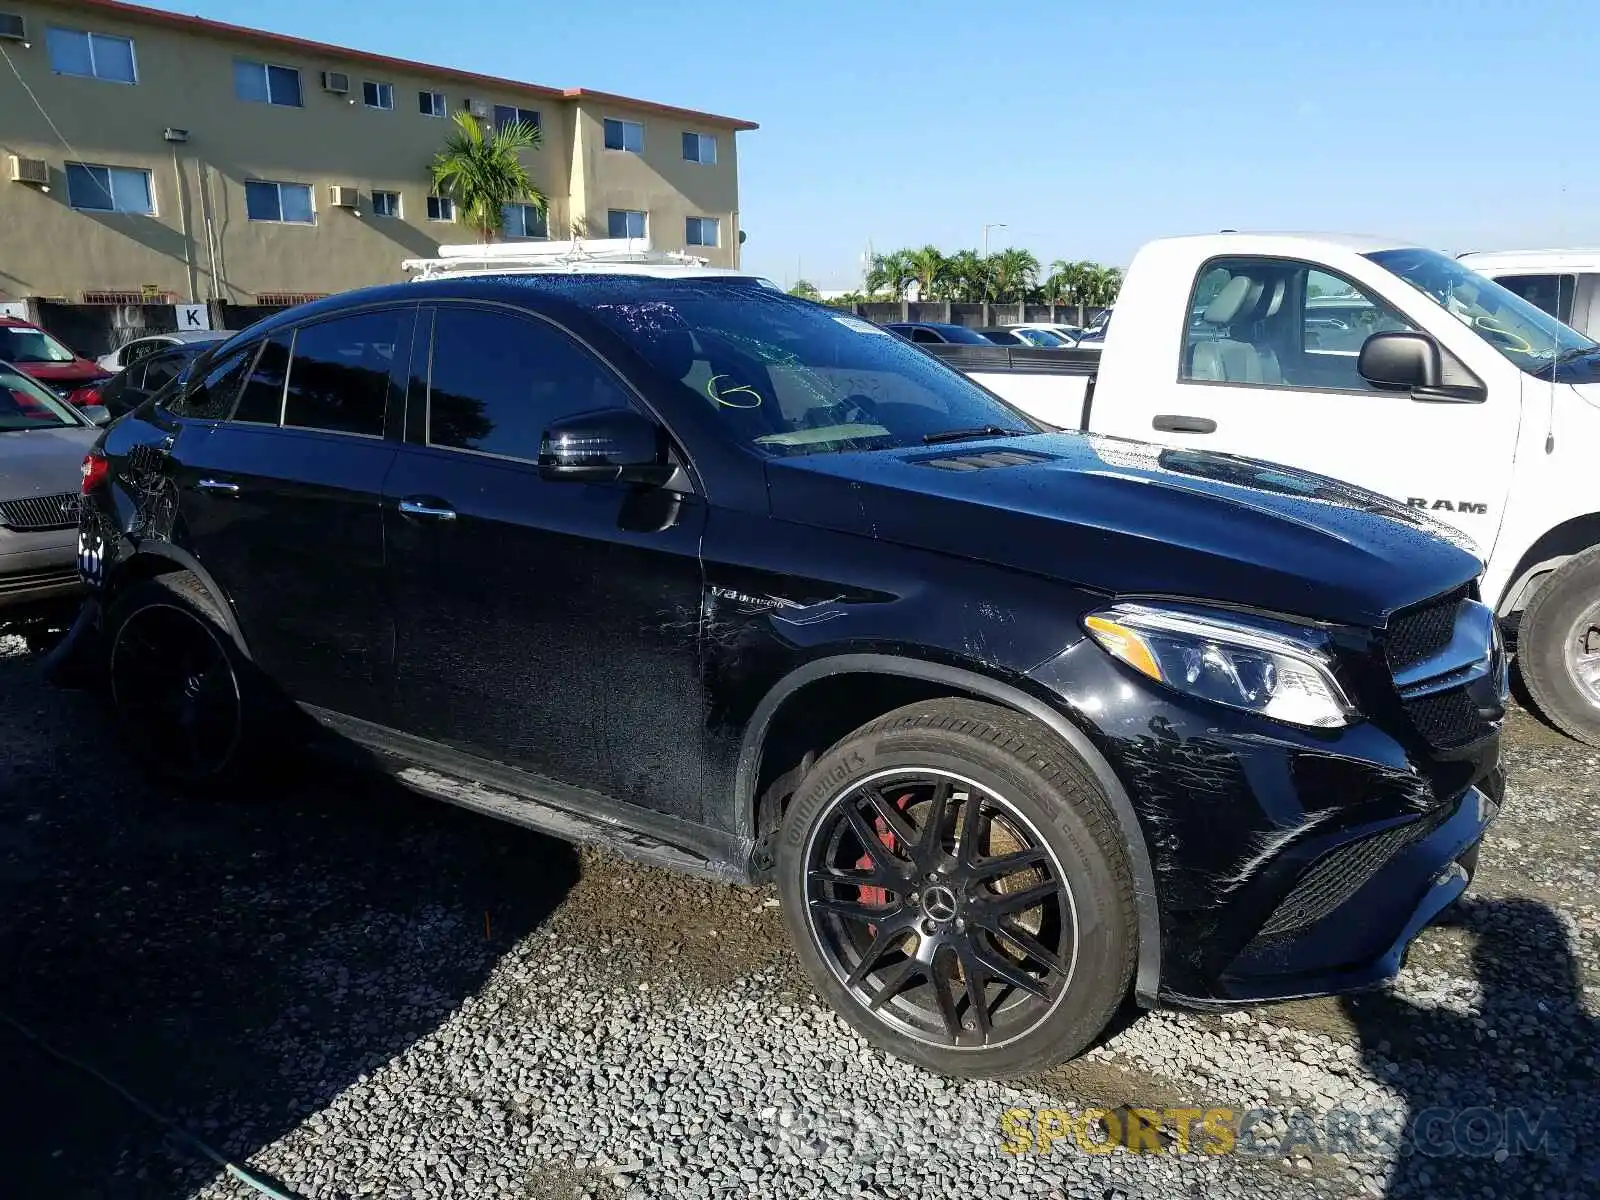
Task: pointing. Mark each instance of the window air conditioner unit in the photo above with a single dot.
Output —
(11, 27)
(29, 170)
(343, 197)
(337, 82)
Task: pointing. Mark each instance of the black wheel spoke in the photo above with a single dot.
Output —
(930, 843)
(870, 841)
(997, 966)
(894, 819)
(856, 877)
(945, 998)
(1029, 945)
(850, 910)
(997, 904)
(971, 829)
(882, 942)
(895, 980)
(1009, 864)
(977, 993)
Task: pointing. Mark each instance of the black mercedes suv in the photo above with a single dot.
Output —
(1020, 723)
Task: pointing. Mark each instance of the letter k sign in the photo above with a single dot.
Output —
(192, 316)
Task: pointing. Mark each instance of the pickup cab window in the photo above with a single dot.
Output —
(1553, 293)
(1280, 323)
(1523, 333)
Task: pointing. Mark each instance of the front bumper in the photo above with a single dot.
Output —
(1286, 862)
(38, 567)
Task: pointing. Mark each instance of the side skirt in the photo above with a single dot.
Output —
(570, 813)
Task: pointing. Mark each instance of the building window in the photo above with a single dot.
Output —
(625, 135)
(431, 104)
(523, 221)
(508, 114)
(441, 208)
(386, 204)
(377, 95)
(266, 83)
(701, 231)
(289, 203)
(625, 223)
(91, 55)
(700, 148)
(109, 189)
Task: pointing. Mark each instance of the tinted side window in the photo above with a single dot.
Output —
(498, 380)
(157, 371)
(339, 379)
(1553, 293)
(211, 396)
(262, 398)
(925, 335)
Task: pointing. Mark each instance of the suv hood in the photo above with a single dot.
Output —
(79, 370)
(1125, 517)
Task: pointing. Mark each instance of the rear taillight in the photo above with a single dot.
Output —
(85, 396)
(95, 469)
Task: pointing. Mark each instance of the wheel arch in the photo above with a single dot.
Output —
(1546, 556)
(946, 679)
(152, 559)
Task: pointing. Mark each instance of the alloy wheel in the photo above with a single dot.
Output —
(941, 908)
(175, 691)
(1583, 653)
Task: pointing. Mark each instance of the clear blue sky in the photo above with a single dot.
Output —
(1085, 128)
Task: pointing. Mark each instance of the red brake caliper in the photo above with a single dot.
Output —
(874, 895)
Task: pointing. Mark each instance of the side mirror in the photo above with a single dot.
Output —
(96, 414)
(614, 446)
(1401, 361)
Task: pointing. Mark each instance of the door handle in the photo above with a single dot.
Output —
(416, 508)
(217, 485)
(1177, 423)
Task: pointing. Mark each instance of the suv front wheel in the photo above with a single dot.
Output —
(954, 883)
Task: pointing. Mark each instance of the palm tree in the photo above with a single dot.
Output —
(967, 276)
(888, 273)
(1102, 286)
(1014, 271)
(805, 289)
(927, 268)
(483, 172)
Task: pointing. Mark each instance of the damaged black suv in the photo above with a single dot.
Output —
(1020, 722)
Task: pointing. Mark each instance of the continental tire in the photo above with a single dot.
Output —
(954, 882)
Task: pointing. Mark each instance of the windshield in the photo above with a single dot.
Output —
(1524, 333)
(1040, 337)
(792, 378)
(19, 344)
(26, 405)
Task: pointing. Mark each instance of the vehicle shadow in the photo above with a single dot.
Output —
(1501, 1101)
(233, 963)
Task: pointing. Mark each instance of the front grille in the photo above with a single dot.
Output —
(1447, 719)
(40, 512)
(1420, 632)
(1337, 876)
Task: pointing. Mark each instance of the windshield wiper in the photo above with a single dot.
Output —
(963, 435)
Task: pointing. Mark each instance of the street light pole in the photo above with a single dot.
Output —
(986, 228)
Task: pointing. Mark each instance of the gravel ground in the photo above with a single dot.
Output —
(357, 992)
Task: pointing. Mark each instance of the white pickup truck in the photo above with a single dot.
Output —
(1387, 365)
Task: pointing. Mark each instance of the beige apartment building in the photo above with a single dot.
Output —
(144, 154)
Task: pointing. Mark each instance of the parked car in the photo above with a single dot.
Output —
(128, 353)
(1018, 722)
(1067, 333)
(34, 352)
(1565, 283)
(43, 441)
(1011, 335)
(132, 386)
(938, 333)
(1395, 367)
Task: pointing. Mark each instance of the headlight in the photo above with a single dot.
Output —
(1277, 674)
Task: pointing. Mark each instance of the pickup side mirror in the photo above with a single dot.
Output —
(95, 414)
(1400, 361)
(614, 446)
(1413, 362)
